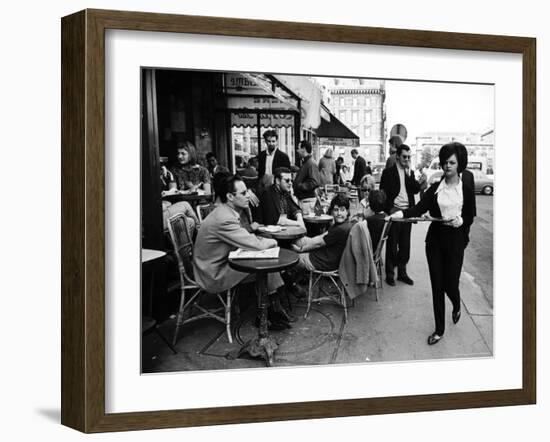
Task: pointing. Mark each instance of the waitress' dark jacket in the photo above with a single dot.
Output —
(429, 203)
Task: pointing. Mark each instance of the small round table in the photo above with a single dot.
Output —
(149, 258)
(264, 345)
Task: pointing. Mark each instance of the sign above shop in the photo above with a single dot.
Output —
(344, 142)
(266, 120)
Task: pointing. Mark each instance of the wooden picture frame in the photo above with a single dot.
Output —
(83, 220)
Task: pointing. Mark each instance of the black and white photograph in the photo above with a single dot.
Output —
(292, 220)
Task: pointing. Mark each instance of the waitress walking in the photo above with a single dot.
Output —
(452, 199)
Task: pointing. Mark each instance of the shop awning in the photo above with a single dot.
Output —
(310, 94)
(336, 133)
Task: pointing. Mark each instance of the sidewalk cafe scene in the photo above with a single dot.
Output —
(292, 220)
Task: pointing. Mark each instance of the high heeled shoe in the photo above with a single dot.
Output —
(456, 317)
(434, 338)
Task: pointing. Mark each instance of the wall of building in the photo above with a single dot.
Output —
(359, 104)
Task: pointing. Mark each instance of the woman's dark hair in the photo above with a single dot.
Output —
(457, 149)
(190, 148)
(228, 186)
(340, 201)
(377, 200)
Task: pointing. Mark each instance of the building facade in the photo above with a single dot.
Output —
(479, 144)
(360, 105)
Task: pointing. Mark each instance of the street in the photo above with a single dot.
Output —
(478, 260)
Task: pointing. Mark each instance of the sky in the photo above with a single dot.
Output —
(439, 107)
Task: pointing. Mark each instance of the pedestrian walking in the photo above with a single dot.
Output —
(327, 168)
(452, 199)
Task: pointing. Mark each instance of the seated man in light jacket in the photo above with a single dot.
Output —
(323, 252)
(222, 232)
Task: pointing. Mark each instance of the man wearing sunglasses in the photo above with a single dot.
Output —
(277, 205)
(221, 232)
(400, 185)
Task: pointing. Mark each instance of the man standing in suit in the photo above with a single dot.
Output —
(272, 158)
(400, 186)
(359, 169)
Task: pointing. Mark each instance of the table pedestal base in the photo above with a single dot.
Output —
(260, 347)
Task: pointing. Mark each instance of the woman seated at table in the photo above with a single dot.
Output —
(323, 252)
(190, 175)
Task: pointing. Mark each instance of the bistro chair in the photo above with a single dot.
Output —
(204, 210)
(251, 182)
(332, 188)
(354, 195)
(339, 298)
(191, 295)
(378, 261)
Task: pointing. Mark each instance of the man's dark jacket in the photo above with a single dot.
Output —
(359, 170)
(390, 184)
(270, 207)
(280, 160)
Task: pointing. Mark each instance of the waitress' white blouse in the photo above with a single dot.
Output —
(450, 199)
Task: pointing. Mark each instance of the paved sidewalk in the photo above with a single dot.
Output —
(394, 329)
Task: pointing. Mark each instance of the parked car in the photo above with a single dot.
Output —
(483, 183)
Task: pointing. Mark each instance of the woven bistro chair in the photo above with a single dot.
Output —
(192, 296)
(315, 278)
(204, 210)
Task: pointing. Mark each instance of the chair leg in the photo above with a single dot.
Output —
(228, 317)
(309, 294)
(158, 332)
(179, 317)
(344, 304)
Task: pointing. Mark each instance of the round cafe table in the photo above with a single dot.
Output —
(264, 345)
(150, 259)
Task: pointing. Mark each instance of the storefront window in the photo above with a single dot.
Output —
(244, 144)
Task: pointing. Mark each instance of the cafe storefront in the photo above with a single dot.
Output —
(257, 103)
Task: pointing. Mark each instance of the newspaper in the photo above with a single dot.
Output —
(254, 254)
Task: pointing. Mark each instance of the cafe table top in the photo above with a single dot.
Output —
(148, 255)
(187, 196)
(287, 258)
(288, 233)
(318, 219)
